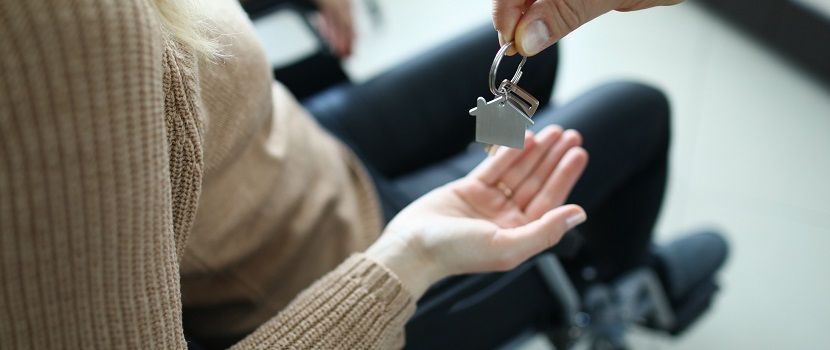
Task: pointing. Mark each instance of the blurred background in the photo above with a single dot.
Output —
(751, 146)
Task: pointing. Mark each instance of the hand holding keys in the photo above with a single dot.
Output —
(503, 120)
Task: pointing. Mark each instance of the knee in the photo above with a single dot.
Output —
(649, 106)
(646, 99)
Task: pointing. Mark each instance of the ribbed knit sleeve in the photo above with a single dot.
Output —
(87, 250)
(89, 253)
(359, 305)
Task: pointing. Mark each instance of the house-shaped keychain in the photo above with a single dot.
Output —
(500, 122)
(503, 120)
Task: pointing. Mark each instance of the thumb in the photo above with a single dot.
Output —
(547, 21)
(538, 235)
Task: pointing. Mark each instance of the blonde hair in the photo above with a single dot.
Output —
(186, 21)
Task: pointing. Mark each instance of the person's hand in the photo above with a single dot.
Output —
(533, 25)
(505, 211)
(336, 25)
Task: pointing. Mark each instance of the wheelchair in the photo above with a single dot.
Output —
(570, 307)
(489, 311)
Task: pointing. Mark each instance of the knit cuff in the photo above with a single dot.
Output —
(359, 305)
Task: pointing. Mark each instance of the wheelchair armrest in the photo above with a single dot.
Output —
(559, 284)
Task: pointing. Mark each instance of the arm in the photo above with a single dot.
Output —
(536, 24)
(88, 250)
(464, 227)
(88, 254)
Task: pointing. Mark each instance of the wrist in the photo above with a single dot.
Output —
(415, 270)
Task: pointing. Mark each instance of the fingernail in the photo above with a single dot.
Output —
(575, 219)
(535, 38)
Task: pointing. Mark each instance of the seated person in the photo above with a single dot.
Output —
(144, 173)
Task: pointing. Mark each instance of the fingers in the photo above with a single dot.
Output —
(634, 5)
(559, 185)
(337, 26)
(539, 177)
(533, 183)
(522, 167)
(491, 170)
(534, 25)
(547, 21)
(346, 28)
(519, 244)
(506, 15)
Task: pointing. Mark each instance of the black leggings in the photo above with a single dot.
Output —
(411, 129)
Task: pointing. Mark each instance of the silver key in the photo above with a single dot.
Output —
(504, 119)
(520, 98)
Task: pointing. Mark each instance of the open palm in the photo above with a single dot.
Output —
(506, 210)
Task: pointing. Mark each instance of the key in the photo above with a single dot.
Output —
(504, 119)
(520, 98)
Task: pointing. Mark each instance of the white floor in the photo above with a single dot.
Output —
(751, 152)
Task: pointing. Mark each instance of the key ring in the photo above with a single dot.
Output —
(495, 67)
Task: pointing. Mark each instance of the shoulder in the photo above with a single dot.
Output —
(88, 23)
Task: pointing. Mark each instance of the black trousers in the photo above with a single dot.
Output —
(411, 128)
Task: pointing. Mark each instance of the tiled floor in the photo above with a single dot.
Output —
(751, 151)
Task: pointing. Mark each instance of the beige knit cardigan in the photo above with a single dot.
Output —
(137, 180)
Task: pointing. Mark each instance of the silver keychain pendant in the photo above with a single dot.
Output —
(504, 119)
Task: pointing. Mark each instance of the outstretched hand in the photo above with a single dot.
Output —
(536, 24)
(506, 210)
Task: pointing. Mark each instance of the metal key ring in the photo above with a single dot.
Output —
(495, 67)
